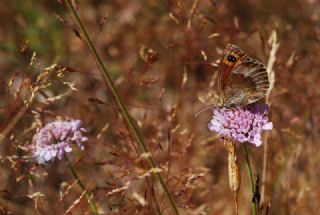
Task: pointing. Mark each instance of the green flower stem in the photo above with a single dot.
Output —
(246, 154)
(86, 193)
(129, 121)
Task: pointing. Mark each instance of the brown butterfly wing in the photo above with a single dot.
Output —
(242, 80)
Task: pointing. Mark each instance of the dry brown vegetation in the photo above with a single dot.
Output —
(162, 56)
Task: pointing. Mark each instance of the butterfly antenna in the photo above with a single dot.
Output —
(204, 109)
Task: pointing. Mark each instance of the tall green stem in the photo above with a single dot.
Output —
(129, 121)
(86, 193)
(246, 154)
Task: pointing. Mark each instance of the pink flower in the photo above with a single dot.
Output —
(241, 124)
(54, 139)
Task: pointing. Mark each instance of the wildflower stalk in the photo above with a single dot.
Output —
(246, 154)
(87, 194)
(129, 121)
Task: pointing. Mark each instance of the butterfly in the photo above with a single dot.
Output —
(242, 80)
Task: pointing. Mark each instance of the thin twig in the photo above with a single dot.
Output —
(129, 121)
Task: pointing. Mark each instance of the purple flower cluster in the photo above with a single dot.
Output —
(55, 139)
(241, 124)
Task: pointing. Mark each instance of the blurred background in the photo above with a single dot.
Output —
(163, 57)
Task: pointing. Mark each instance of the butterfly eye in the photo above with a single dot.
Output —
(231, 58)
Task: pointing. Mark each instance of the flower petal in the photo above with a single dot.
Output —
(241, 124)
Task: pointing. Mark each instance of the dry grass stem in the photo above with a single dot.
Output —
(271, 73)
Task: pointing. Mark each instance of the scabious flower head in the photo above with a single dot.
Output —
(56, 138)
(243, 124)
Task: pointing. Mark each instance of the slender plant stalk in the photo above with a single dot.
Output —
(264, 166)
(13, 122)
(246, 154)
(271, 74)
(87, 194)
(129, 121)
(23, 109)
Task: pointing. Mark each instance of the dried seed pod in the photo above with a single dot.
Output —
(233, 169)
